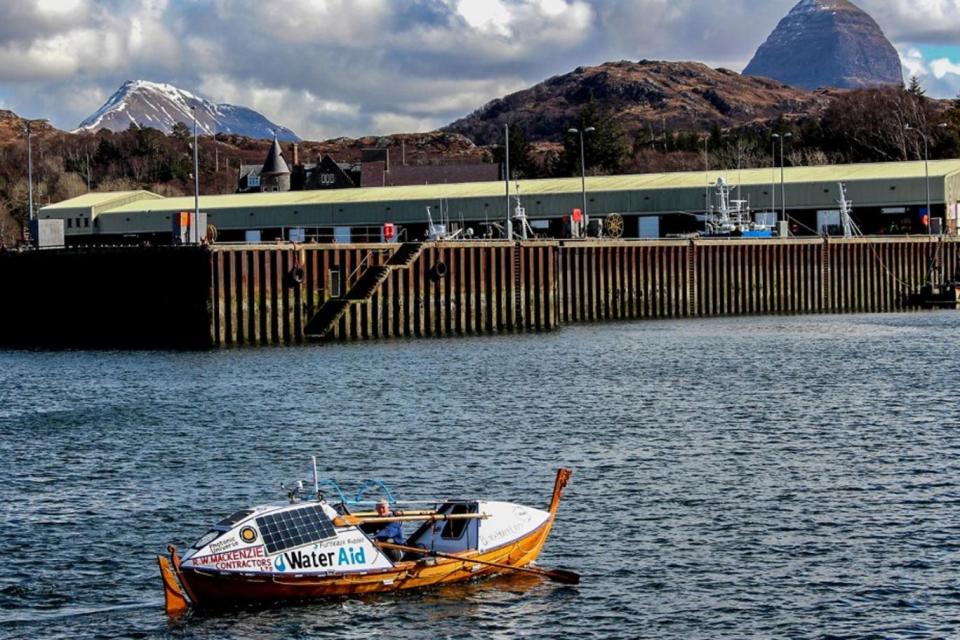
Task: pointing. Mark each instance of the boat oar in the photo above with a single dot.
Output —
(396, 512)
(557, 575)
(353, 520)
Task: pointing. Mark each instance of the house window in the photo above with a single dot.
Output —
(327, 179)
(86, 222)
(69, 223)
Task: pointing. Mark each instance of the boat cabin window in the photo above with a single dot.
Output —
(207, 538)
(229, 521)
(295, 528)
(454, 529)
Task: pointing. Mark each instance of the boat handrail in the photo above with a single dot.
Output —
(373, 484)
(330, 482)
(358, 497)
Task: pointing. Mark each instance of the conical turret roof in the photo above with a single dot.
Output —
(275, 165)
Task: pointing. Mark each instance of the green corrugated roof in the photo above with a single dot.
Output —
(99, 198)
(692, 179)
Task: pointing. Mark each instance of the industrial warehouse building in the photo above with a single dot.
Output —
(888, 198)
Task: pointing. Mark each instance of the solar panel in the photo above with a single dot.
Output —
(295, 528)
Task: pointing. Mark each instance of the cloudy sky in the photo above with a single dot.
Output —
(327, 68)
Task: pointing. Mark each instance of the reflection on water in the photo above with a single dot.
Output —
(773, 477)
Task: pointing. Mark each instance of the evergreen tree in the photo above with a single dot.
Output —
(606, 148)
(953, 113)
(521, 155)
(916, 89)
(181, 132)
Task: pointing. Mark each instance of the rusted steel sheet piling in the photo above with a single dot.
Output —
(239, 295)
(267, 295)
(474, 288)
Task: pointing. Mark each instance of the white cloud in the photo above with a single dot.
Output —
(386, 123)
(342, 22)
(943, 66)
(928, 21)
(327, 68)
(940, 77)
(486, 16)
(913, 62)
(59, 7)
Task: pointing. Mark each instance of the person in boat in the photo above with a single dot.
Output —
(391, 532)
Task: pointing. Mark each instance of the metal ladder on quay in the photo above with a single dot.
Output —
(517, 293)
(362, 291)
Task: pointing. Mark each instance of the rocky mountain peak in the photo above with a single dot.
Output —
(810, 6)
(161, 106)
(642, 96)
(827, 43)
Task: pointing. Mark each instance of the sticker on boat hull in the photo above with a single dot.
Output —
(351, 552)
(507, 523)
(249, 559)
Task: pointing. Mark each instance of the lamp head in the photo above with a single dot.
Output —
(573, 130)
(589, 130)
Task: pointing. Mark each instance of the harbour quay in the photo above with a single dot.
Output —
(232, 295)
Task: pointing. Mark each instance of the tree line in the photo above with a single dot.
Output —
(883, 124)
(867, 125)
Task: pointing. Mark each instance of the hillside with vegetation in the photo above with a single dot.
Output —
(862, 125)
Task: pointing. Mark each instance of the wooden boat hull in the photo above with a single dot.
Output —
(195, 583)
(216, 589)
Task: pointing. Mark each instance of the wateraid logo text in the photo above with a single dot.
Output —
(299, 560)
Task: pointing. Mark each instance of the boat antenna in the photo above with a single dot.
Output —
(316, 480)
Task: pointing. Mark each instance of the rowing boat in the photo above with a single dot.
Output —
(311, 548)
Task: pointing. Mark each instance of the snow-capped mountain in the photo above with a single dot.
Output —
(161, 106)
(827, 43)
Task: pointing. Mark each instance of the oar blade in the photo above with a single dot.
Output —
(562, 575)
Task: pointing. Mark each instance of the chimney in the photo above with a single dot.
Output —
(296, 154)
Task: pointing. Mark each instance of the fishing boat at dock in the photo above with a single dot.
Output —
(732, 218)
(314, 548)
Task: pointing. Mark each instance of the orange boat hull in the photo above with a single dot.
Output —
(212, 589)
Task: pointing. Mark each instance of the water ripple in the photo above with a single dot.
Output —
(752, 477)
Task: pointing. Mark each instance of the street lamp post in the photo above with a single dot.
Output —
(196, 172)
(926, 170)
(583, 169)
(783, 187)
(739, 167)
(30, 169)
(773, 176)
(508, 228)
(706, 175)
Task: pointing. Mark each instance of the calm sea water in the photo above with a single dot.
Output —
(762, 477)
